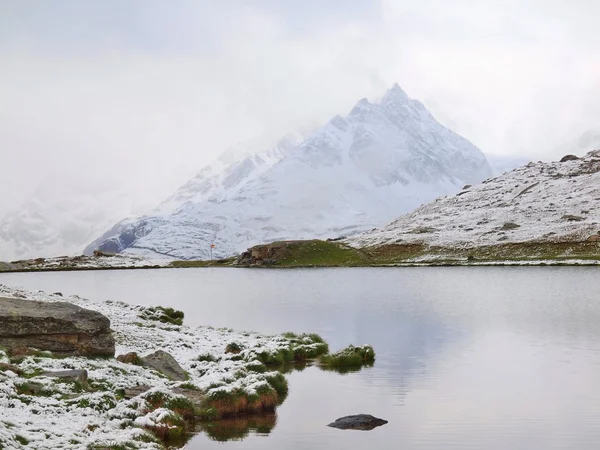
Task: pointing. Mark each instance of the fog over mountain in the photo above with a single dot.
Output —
(354, 173)
(122, 102)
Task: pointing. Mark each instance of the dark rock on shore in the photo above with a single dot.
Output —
(59, 327)
(364, 422)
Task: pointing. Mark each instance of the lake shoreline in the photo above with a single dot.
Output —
(124, 402)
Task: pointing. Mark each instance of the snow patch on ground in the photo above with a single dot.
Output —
(539, 202)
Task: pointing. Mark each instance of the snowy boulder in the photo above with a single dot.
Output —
(59, 327)
(364, 422)
(165, 364)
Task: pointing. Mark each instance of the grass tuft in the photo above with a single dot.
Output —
(206, 357)
(350, 357)
(163, 314)
(233, 347)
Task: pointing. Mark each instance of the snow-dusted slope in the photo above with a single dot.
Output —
(539, 202)
(355, 173)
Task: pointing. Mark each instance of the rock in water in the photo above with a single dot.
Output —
(363, 422)
(59, 327)
(165, 364)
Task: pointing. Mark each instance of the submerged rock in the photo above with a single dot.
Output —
(59, 327)
(364, 422)
(165, 364)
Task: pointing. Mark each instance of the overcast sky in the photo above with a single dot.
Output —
(146, 92)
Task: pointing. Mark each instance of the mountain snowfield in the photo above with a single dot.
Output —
(539, 202)
(355, 173)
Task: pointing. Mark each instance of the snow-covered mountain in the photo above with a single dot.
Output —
(539, 202)
(356, 172)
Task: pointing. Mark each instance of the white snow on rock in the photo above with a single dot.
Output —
(356, 172)
(539, 202)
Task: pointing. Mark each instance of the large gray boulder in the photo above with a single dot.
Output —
(363, 422)
(164, 363)
(59, 327)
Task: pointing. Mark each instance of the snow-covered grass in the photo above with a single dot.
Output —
(548, 211)
(63, 415)
(349, 357)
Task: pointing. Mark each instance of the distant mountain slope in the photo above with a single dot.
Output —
(353, 174)
(539, 202)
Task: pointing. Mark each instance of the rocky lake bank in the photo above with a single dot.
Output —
(62, 387)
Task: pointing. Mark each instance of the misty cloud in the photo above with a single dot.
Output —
(144, 93)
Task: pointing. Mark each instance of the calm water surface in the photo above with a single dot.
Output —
(467, 358)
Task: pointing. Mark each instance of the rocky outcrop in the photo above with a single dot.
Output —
(165, 364)
(59, 327)
(263, 254)
(569, 158)
(364, 422)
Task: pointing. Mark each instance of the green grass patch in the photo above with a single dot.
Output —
(206, 357)
(21, 440)
(163, 314)
(315, 253)
(300, 348)
(279, 383)
(182, 406)
(349, 357)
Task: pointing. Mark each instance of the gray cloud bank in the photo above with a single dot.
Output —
(141, 94)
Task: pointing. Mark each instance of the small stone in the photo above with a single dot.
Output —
(510, 226)
(165, 364)
(80, 376)
(364, 422)
(135, 391)
(130, 358)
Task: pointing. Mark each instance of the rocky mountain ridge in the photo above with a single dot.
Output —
(356, 172)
